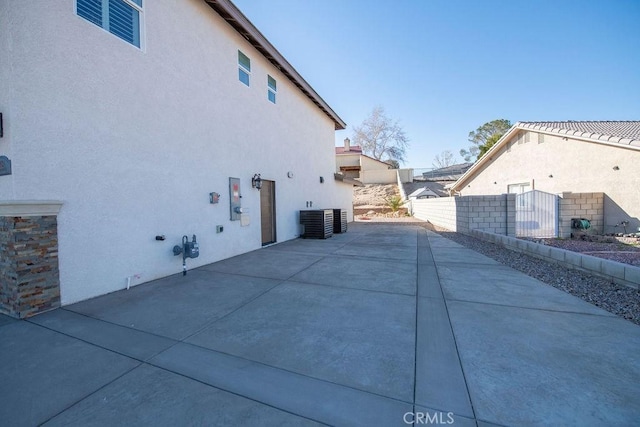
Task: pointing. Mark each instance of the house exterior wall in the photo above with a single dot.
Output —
(133, 141)
(576, 166)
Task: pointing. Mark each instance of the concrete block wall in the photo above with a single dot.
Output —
(616, 272)
(581, 205)
(29, 277)
(492, 213)
(441, 211)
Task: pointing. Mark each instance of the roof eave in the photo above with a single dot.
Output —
(485, 158)
(230, 13)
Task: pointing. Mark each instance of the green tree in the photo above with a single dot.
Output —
(381, 137)
(483, 138)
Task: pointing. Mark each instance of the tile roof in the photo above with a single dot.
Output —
(621, 132)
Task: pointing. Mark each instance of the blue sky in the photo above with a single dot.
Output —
(444, 67)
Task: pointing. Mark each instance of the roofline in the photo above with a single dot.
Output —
(230, 13)
(487, 157)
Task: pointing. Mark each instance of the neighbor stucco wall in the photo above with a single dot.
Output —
(558, 165)
(133, 141)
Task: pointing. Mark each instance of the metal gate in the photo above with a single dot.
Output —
(536, 214)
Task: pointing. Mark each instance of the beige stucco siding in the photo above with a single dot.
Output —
(559, 165)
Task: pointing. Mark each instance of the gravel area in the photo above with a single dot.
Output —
(620, 300)
(614, 251)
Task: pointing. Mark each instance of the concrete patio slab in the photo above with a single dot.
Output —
(387, 239)
(177, 306)
(505, 286)
(129, 342)
(454, 255)
(440, 382)
(430, 416)
(5, 320)
(429, 282)
(268, 264)
(356, 273)
(311, 398)
(533, 367)
(396, 253)
(44, 372)
(360, 339)
(331, 332)
(149, 396)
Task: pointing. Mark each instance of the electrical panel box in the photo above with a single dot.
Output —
(235, 198)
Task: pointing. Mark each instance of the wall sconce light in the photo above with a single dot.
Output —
(256, 182)
(495, 182)
(550, 176)
(321, 180)
(616, 168)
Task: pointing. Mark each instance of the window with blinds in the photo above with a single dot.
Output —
(120, 17)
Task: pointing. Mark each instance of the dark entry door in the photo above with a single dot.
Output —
(268, 211)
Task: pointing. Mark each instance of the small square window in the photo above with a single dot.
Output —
(244, 68)
(271, 89)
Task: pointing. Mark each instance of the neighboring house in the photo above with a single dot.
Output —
(571, 156)
(129, 119)
(448, 173)
(352, 163)
(422, 193)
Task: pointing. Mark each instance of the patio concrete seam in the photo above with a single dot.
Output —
(605, 315)
(287, 371)
(455, 343)
(103, 347)
(233, 392)
(349, 288)
(208, 324)
(93, 392)
(66, 308)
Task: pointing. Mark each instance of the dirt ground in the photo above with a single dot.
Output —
(374, 194)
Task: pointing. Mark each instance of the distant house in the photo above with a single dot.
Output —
(448, 173)
(127, 125)
(571, 156)
(422, 193)
(352, 163)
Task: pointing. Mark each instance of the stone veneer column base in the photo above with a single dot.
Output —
(29, 275)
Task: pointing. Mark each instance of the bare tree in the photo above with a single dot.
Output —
(444, 159)
(381, 137)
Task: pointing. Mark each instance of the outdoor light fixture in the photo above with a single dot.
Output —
(550, 176)
(616, 168)
(256, 181)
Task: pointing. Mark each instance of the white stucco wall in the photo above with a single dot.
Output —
(576, 166)
(133, 141)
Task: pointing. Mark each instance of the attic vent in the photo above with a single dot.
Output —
(540, 138)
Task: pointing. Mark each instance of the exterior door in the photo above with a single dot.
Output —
(268, 211)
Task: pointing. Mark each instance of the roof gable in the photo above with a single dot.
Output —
(621, 134)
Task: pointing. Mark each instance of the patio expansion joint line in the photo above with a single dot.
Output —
(350, 288)
(234, 393)
(107, 348)
(455, 341)
(287, 371)
(549, 310)
(92, 393)
(415, 335)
